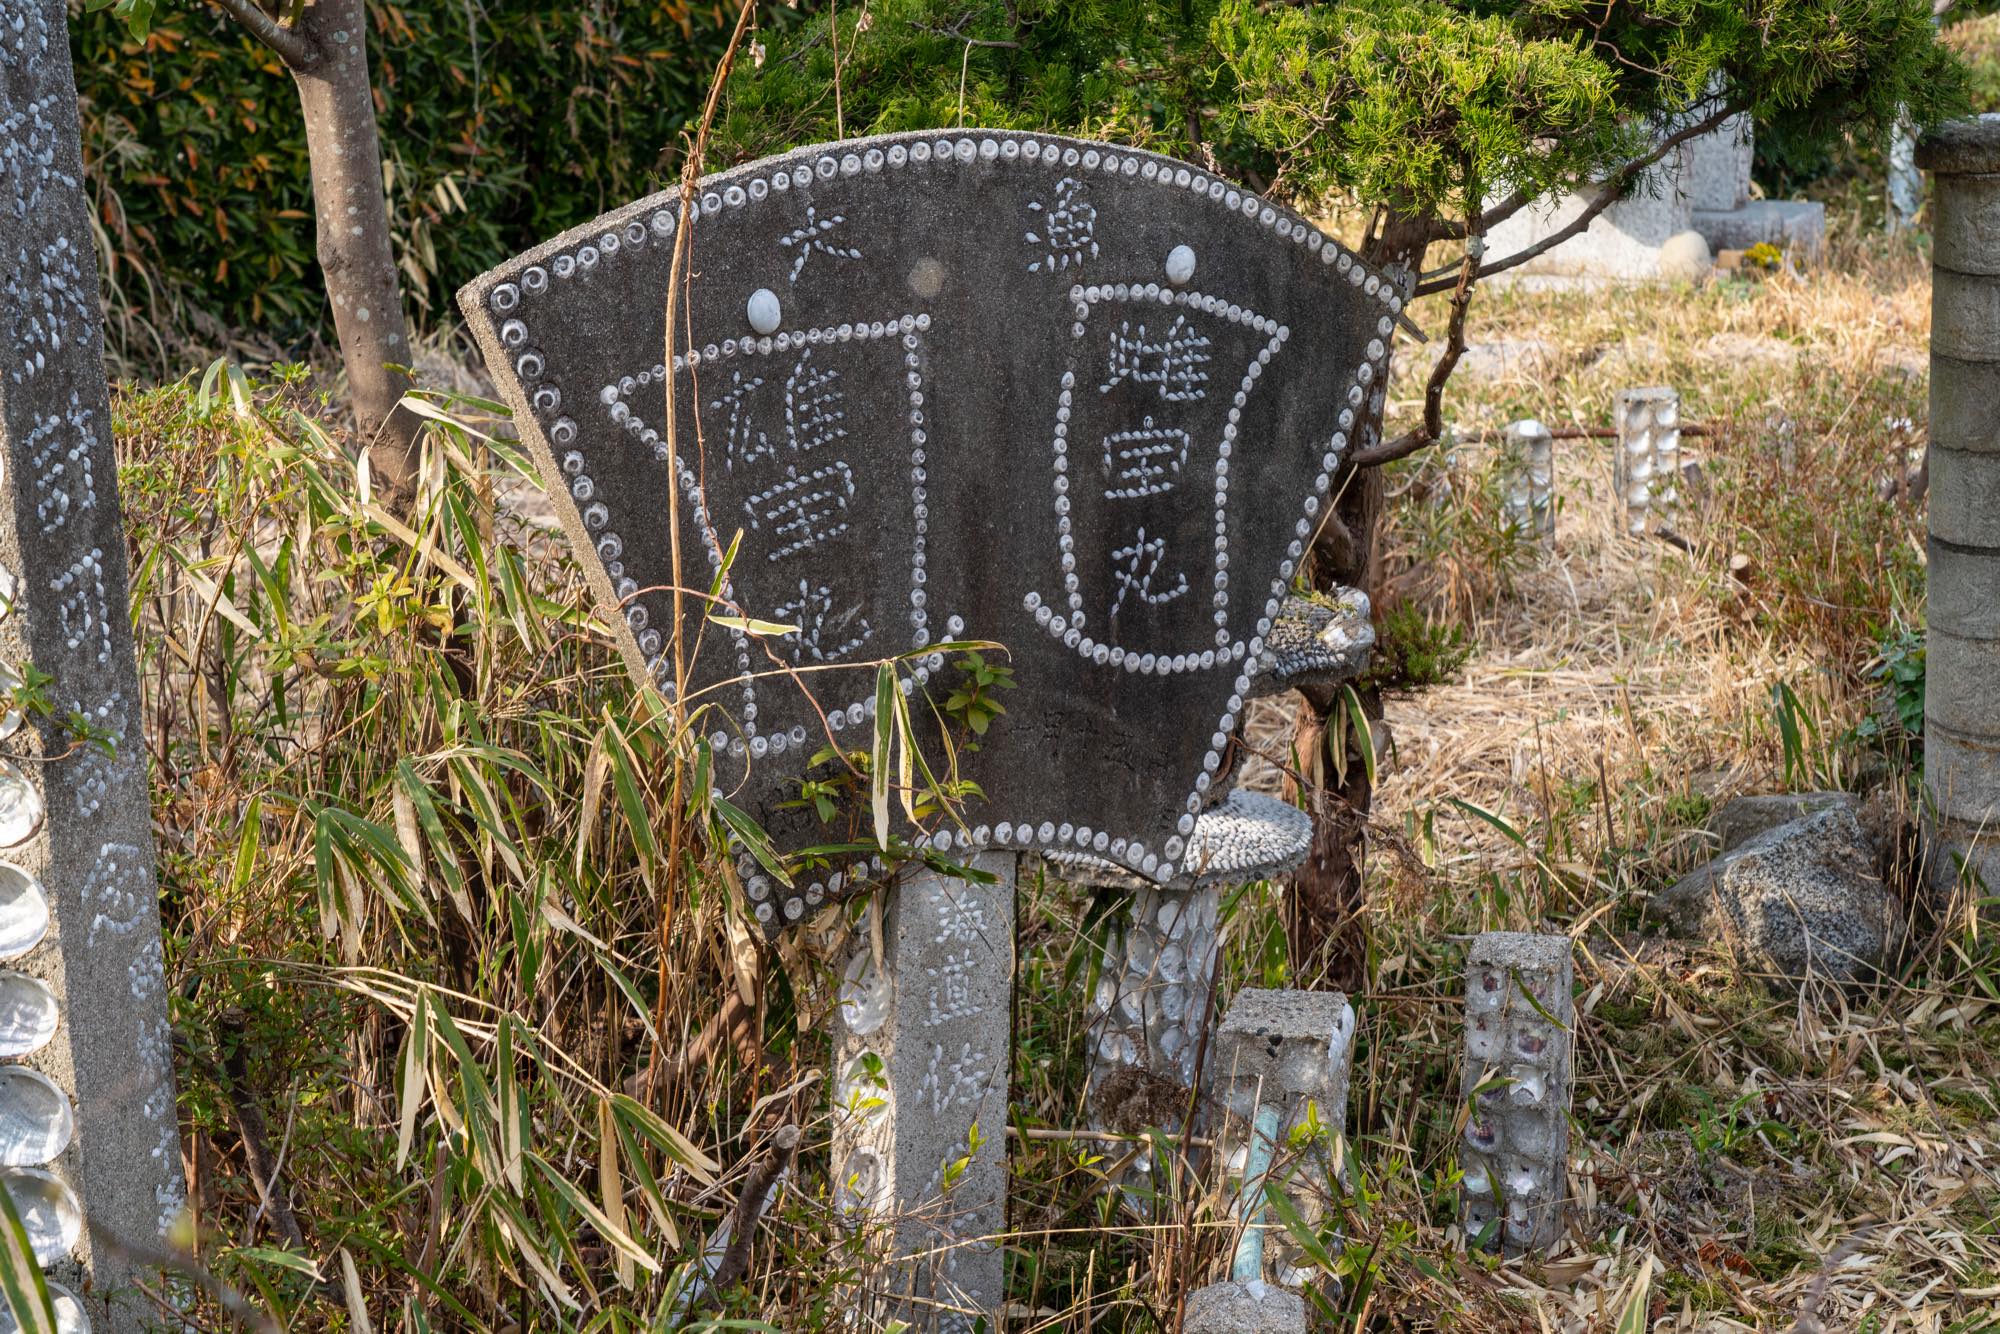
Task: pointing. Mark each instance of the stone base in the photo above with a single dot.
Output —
(1793, 225)
(1244, 1308)
(1961, 858)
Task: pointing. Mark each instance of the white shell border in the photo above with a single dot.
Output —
(504, 291)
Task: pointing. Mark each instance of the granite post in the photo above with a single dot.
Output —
(1647, 467)
(1961, 709)
(922, 1054)
(89, 1149)
(1516, 1086)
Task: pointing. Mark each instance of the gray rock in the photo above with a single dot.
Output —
(1805, 898)
(1244, 1308)
(1741, 819)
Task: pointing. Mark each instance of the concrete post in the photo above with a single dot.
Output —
(1516, 1085)
(89, 1149)
(1528, 480)
(1647, 467)
(1961, 708)
(1280, 1081)
(922, 1053)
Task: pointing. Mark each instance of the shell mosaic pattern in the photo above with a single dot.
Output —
(1244, 837)
(1079, 400)
(1516, 1078)
(1312, 643)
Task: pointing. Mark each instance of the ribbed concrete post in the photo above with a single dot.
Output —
(1961, 706)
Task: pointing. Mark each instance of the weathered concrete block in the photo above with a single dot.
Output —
(1965, 315)
(1796, 226)
(1968, 146)
(1963, 774)
(1967, 601)
(1959, 680)
(1962, 397)
(79, 919)
(1280, 1078)
(1516, 1079)
(1964, 497)
(1244, 1308)
(1646, 469)
(1315, 642)
(922, 1052)
(1965, 226)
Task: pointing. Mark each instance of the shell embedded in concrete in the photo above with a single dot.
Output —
(21, 807)
(10, 681)
(49, 1210)
(35, 1118)
(28, 1014)
(24, 912)
(71, 1318)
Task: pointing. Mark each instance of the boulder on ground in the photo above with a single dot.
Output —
(1684, 258)
(1801, 899)
(1741, 819)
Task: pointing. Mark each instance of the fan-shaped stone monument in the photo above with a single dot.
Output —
(1078, 400)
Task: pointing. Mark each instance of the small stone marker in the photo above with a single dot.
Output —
(1077, 399)
(1646, 470)
(922, 1055)
(1516, 1085)
(1961, 715)
(88, 1142)
(1282, 1063)
(1528, 480)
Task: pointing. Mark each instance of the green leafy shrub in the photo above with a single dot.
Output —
(1414, 650)
(502, 123)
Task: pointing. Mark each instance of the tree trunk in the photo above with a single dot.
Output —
(1326, 927)
(355, 256)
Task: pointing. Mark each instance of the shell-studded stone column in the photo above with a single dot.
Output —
(89, 1151)
(1516, 1081)
(1646, 470)
(1961, 709)
(923, 1049)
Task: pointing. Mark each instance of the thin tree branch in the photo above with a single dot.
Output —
(1608, 193)
(290, 44)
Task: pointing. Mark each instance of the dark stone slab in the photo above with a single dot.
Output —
(951, 387)
(93, 1151)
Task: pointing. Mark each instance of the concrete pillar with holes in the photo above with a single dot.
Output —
(1961, 708)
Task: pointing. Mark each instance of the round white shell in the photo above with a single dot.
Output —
(35, 1118)
(20, 806)
(49, 1211)
(1180, 264)
(24, 912)
(28, 1014)
(10, 722)
(70, 1315)
(765, 312)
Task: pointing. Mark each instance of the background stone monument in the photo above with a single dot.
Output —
(89, 1150)
(1519, 1016)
